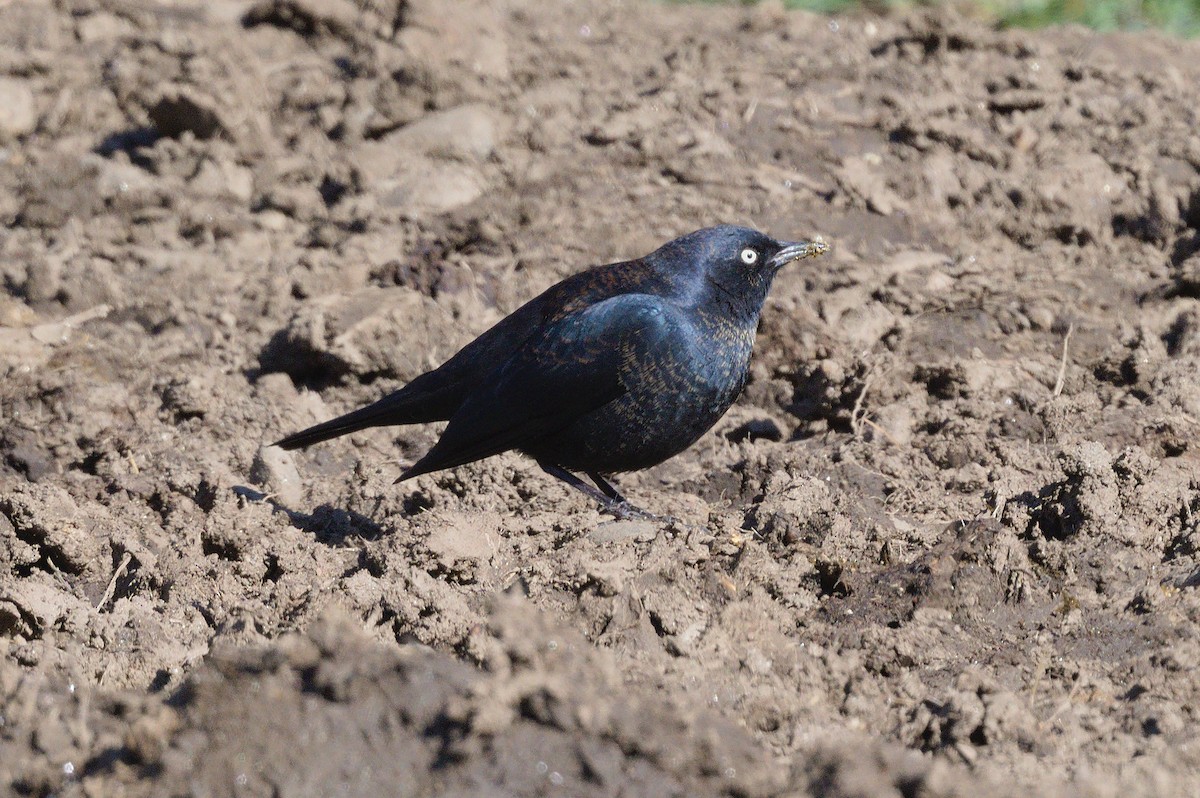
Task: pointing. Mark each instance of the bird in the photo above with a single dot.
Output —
(612, 370)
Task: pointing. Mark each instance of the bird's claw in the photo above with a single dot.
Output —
(624, 511)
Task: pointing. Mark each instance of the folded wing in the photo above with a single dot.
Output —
(574, 367)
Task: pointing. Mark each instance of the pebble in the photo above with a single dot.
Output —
(614, 531)
(275, 469)
(465, 131)
(18, 113)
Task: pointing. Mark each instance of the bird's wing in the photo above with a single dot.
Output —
(571, 369)
(438, 394)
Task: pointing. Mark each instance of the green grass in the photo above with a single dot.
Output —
(1180, 17)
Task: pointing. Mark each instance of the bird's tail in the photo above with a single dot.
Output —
(398, 408)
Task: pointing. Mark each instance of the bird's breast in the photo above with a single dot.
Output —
(674, 393)
(695, 381)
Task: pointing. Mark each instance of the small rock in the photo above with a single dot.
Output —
(363, 589)
(466, 131)
(44, 279)
(275, 470)
(126, 188)
(1041, 316)
(187, 398)
(224, 179)
(910, 260)
(969, 478)
(277, 388)
(48, 518)
(450, 39)
(1187, 276)
(395, 331)
(15, 313)
(859, 177)
(938, 281)
(433, 186)
(18, 113)
(29, 608)
(102, 26)
(27, 453)
(607, 578)
(1088, 175)
(867, 324)
(896, 423)
(1088, 459)
(794, 509)
(272, 219)
(400, 172)
(118, 177)
(615, 531)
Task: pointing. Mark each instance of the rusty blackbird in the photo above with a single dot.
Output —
(613, 369)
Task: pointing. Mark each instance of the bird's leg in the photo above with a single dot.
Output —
(607, 495)
(605, 486)
(575, 482)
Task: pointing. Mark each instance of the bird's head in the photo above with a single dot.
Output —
(736, 262)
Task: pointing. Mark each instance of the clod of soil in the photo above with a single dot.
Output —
(946, 544)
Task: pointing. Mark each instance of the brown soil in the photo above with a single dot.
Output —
(946, 544)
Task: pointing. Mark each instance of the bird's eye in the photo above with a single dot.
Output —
(749, 256)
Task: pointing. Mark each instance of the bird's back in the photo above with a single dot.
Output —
(437, 394)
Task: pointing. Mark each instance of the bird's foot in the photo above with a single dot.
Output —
(622, 510)
(610, 500)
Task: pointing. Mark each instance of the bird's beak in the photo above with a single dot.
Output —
(797, 251)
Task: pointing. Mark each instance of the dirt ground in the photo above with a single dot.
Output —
(946, 544)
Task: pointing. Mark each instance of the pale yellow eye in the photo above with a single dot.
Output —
(749, 256)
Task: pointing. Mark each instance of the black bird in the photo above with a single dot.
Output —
(613, 369)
